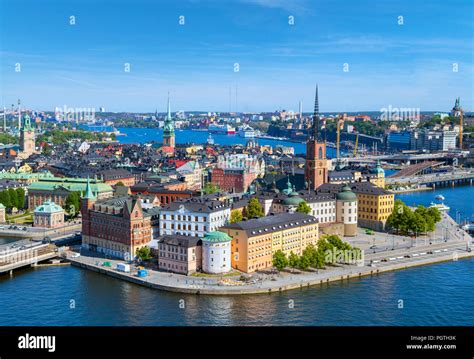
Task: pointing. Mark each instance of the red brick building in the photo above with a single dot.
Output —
(117, 226)
(232, 180)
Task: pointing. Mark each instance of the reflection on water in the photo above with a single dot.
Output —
(439, 294)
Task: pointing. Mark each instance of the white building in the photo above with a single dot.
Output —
(346, 209)
(193, 217)
(216, 252)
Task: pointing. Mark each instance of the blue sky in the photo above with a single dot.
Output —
(82, 65)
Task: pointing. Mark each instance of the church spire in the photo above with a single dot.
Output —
(168, 116)
(315, 133)
(89, 194)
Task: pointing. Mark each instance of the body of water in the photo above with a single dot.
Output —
(143, 135)
(439, 294)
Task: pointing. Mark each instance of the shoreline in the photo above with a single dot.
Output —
(333, 275)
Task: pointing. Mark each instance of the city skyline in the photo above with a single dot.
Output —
(83, 64)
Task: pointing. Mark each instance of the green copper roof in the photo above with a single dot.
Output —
(26, 125)
(378, 168)
(217, 237)
(2, 206)
(89, 194)
(48, 207)
(168, 127)
(71, 184)
(346, 194)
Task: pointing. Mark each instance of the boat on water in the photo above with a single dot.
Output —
(468, 227)
(248, 132)
(441, 206)
(440, 197)
(221, 129)
(210, 140)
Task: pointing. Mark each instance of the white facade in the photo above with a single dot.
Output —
(347, 212)
(216, 257)
(190, 222)
(324, 211)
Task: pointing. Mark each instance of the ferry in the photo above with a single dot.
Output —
(221, 129)
(440, 197)
(441, 206)
(468, 227)
(248, 132)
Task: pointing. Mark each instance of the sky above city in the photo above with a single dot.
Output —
(244, 55)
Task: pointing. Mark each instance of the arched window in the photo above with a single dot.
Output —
(320, 153)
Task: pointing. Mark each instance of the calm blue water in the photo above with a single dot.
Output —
(459, 199)
(142, 135)
(439, 294)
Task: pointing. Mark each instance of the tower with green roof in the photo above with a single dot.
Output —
(27, 136)
(87, 201)
(168, 129)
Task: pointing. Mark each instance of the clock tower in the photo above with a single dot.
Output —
(316, 166)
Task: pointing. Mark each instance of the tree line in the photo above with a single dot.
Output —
(13, 198)
(404, 220)
(318, 256)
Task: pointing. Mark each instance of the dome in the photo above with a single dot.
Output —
(293, 200)
(216, 237)
(346, 194)
(378, 168)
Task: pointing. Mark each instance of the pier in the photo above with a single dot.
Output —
(25, 256)
(435, 179)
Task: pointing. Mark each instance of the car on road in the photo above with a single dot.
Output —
(22, 247)
(373, 247)
(14, 245)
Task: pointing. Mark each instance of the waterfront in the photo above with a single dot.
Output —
(438, 294)
(143, 135)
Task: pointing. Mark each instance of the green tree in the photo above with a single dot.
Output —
(13, 197)
(254, 209)
(5, 199)
(73, 203)
(338, 242)
(417, 223)
(236, 216)
(144, 253)
(280, 261)
(120, 183)
(210, 188)
(21, 197)
(293, 260)
(304, 261)
(303, 207)
(434, 213)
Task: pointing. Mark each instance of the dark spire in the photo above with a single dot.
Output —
(315, 133)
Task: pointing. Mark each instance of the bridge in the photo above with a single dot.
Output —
(408, 158)
(14, 258)
(435, 179)
(418, 168)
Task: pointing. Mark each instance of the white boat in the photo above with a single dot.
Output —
(468, 227)
(221, 129)
(248, 132)
(441, 206)
(440, 197)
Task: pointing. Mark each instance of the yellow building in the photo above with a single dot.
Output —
(374, 204)
(378, 176)
(255, 241)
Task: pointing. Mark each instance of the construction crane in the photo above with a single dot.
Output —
(356, 144)
(339, 124)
